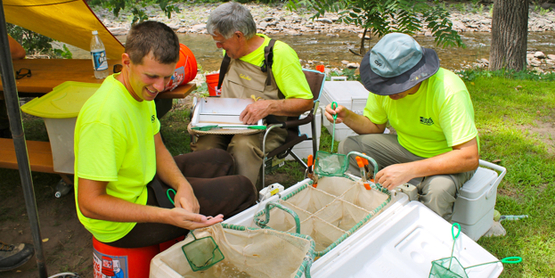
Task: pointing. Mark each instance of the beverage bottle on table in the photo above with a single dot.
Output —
(98, 55)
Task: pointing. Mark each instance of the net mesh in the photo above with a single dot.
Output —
(328, 213)
(330, 164)
(202, 253)
(447, 268)
(251, 252)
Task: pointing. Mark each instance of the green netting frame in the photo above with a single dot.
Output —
(450, 267)
(262, 223)
(202, 257)
(304, 268)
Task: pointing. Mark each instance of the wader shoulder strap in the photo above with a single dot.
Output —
(223, 71)
(266, 66)
(268, 61)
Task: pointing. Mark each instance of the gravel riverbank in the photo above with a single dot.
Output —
(277, 19)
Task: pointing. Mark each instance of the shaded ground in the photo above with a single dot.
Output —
(67, 245)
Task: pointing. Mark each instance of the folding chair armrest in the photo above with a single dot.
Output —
(291, 122)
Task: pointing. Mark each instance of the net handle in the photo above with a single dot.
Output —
(455, 236)
(453, 230)
(269, 206)
(333, 106)
(506, 260)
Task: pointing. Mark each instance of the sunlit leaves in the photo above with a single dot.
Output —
(381, 17)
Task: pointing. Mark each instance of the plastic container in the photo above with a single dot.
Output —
(475, 204)
(350, 94)
(185, 70)
(212, 83)
(98, 56)
(132, 262)
(404, 245)
(59, 109)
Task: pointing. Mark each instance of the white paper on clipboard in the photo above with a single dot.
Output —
(220, 111)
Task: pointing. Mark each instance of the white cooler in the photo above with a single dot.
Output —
(476, 201)
(350, 94)
(402, 241)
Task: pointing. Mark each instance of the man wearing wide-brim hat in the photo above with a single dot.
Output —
(436, 145)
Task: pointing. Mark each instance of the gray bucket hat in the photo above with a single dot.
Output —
(397, 63)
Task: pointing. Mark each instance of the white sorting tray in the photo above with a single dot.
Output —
(402, 241)
(220, 111)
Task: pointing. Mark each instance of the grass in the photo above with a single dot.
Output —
(508, 114)
(515, 120)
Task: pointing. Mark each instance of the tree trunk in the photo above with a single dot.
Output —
(509, 34)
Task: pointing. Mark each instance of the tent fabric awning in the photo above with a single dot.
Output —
(68, 21)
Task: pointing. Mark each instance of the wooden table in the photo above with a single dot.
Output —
(49, 73)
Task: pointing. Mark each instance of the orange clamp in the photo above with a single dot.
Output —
(367, 186)
(360, 163)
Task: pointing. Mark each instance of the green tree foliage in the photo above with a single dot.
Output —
(380, 17)
(137, 7)
(36, 43)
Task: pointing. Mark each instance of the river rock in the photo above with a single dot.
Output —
(324, 20)
(535, 63)
(539, 55)
(197, 28)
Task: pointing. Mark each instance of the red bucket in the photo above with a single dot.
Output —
(212, 83)
(185, 70)
(122, 262)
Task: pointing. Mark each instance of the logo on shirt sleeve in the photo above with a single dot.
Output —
(426, 121)
(152, 118)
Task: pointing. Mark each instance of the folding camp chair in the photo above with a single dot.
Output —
(316, 82)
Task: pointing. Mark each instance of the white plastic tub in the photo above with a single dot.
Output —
(403, 246)
(59, 109)
(350, 94)
(475, 204)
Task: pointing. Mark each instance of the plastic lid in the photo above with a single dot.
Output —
(64, 101)
(94, 32)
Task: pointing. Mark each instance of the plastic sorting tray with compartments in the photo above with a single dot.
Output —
(401, 241)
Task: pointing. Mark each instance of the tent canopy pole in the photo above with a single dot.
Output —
(14, 114)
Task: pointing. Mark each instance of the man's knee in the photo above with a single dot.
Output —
(244, 189)
(349, 144)
(438, 194)
(222, 156)
(242, 146)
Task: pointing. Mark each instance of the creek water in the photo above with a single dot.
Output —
(331, 51)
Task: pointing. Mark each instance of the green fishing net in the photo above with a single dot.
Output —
(330, 164)
(202, 253)
(450, 267)
(447, 268)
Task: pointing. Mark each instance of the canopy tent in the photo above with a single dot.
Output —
(68, 21)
